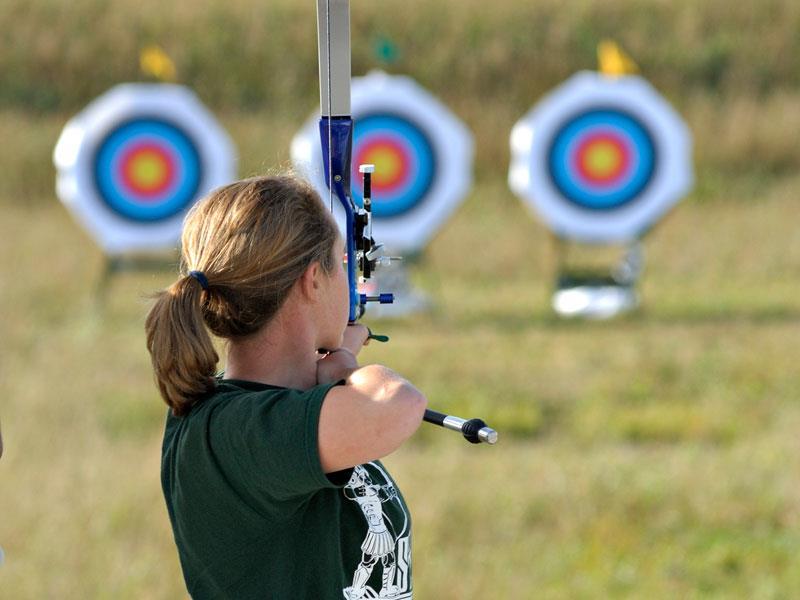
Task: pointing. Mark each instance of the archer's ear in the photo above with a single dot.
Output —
(310, 281)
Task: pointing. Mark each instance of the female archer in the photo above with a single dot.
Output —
(255, 461)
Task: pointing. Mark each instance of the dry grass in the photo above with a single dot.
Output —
(653, 456)
(250, 54)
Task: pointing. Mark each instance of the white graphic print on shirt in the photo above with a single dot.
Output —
(385, 542)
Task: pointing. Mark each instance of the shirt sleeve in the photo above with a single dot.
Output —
(266, 443)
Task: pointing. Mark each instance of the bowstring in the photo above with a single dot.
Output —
(330, 101)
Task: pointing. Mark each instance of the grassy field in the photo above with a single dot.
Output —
(654, 456)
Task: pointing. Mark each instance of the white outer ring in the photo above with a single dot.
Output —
(532, 135)
(83, 134)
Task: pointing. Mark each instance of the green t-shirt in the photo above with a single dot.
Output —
(254, 516)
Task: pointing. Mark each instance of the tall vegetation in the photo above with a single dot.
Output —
(732, 69)
(57, 54)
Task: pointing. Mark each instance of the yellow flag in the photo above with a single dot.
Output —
(154, 62)
(613, 61)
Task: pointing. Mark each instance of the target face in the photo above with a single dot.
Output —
(422, 155)
(136, 159)
(148, 170)
(404, 159)
(600, 159)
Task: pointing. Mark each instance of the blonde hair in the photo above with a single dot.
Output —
(252, 240)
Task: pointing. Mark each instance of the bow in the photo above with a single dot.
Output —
(336, 136)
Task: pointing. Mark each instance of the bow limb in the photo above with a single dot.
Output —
(336, 124)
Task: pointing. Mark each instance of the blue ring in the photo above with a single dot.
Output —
(176, 198)
(423, 167)
(566, 181)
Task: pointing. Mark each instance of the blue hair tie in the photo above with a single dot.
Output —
(200, 276)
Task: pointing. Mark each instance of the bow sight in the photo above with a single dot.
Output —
(369, 254)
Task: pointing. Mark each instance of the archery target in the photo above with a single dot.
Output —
(404, 159)
(133, 162)
(147, 170)
(422, 155)
(601, 159)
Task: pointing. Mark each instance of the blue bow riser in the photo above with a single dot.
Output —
(338, 157)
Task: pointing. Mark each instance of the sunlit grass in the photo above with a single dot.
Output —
(653, 456)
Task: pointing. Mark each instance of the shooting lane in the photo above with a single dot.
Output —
(132, 163)
(600, 160)
(423, 171)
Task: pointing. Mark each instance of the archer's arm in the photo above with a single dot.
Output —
(367, 418)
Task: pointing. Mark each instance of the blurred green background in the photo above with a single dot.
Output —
(656, 455)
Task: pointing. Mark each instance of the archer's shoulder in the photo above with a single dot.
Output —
(230, 396)
(232, 404)
(236, 396)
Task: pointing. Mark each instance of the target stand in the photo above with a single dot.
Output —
(600, 160)
(131, 165)
(595, 293)
(423, 171)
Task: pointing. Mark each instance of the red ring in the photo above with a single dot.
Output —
(148, 191)
(582, 159)
(382, 183)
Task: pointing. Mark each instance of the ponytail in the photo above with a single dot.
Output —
(250, 241)
(183, 355)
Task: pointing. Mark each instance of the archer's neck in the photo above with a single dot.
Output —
(283, 353)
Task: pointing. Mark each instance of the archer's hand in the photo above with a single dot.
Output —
(355, 337)
(339, 363)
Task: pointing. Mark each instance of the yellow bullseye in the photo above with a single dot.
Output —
(603, 159)
(387, 163)
(148, 170)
